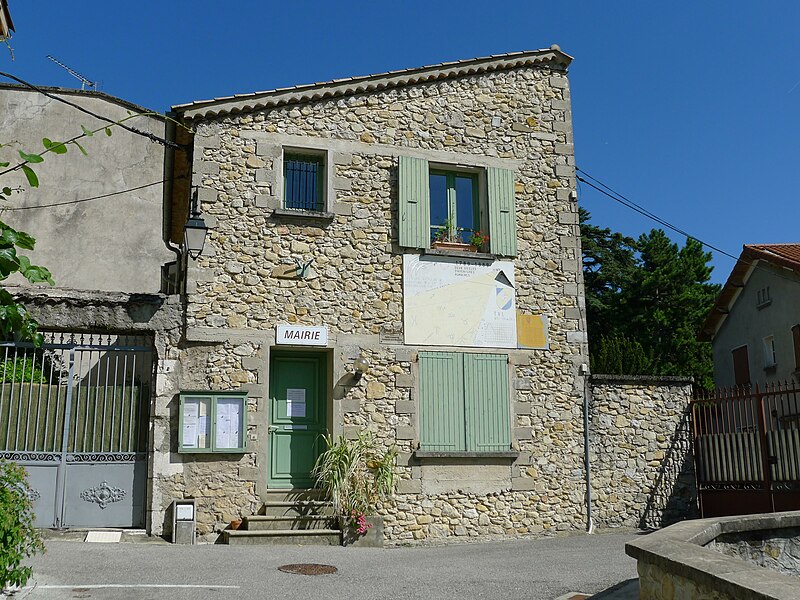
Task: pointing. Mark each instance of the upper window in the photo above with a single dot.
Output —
(304, 181)
(464, 402)
(763, 297)
(455, 213)
(471, 206)
(769, 352)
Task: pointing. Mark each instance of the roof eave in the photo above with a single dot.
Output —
(369, 83)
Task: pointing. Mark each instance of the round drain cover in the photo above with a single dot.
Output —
(308, 569)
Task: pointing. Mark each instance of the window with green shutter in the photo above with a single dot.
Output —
(464, 402)
(442, 204)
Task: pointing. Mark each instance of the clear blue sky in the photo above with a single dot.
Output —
(689, 108)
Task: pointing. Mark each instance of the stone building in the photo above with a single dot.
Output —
(325, 204)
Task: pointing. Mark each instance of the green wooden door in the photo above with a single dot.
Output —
(298, 393)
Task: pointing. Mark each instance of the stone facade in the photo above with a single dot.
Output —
(641, 451)
(509, 116)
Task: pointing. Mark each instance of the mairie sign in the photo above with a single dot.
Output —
(301, 336)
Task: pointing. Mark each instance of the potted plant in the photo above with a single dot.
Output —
(447, 237)
(355, 474)
(479, 241)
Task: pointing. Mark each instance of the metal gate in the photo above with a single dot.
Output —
(747, 450)
(74, 413)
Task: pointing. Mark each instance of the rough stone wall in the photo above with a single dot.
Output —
(777, 549)
(657, 583)
(517, 119)
(641, 451)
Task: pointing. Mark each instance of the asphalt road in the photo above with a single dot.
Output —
(535, 569)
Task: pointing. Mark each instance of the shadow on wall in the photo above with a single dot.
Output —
(673, 496)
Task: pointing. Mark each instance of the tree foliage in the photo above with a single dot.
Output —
(18, 538)
(648, 298)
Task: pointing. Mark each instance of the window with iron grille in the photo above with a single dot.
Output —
(304, 177)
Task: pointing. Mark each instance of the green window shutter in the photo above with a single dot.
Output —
(442, 401)
(502, 213)
(488, 415)
(414, 203)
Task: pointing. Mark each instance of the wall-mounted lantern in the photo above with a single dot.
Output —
(360, 366)
(194, 231)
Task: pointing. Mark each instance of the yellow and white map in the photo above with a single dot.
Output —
(458, 302)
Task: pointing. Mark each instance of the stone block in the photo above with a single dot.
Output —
(268, 149)
(404, 380)
(521, 384)
(342, 208)
(568, 218)
(558, 82)
(207, 141)
(474, 132)
(523, 484)
(523, 433)
(563, 194)
(405, 407)
(342, 158)
(565, 149)
(264, 175)
(206, 196)
(351, 406)
(404, 432)
(565, 171)
(351, 432)
(249, 473)
(206, 167)
(342, 183)
(404, 355)
(559, 104)
(576, 337)
(409, 486)
(544, 136)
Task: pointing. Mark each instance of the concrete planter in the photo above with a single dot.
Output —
(372, 539)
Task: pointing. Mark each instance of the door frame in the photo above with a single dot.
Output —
(326, 396)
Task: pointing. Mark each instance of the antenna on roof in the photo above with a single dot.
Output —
(75, 74)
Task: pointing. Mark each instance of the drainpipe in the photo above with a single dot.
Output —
(587, 391)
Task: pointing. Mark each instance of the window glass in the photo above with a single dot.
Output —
(303, 182)
(438, 191)
(465, 208)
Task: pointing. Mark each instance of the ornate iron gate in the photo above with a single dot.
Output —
(74, 413)
(747, 450)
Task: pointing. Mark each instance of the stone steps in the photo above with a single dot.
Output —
(317, 537)
(269, 522)
(289, 517)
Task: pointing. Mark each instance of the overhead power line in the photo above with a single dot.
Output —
(151, 136)
(617, 197)
(100, 197)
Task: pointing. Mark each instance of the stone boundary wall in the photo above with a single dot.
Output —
(641, 455)
(682, 561)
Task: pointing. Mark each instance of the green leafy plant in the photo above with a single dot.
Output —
(18, 538)
(21, 369)
(447, 232)
(355, 473)
(478, 239)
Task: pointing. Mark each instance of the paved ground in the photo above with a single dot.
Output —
(534, 569)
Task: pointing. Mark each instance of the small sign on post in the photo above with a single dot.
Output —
(298, 335)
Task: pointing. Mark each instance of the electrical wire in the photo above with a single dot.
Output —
(151, 136)
(617, 197)
(100, 197)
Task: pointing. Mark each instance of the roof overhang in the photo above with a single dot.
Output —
(201, 109)
(747, 262)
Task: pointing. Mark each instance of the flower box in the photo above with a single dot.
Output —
(459, 246)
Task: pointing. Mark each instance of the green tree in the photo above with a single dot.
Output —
(650, 294)
(18, 538)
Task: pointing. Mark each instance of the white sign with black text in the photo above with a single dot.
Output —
(298, 335)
